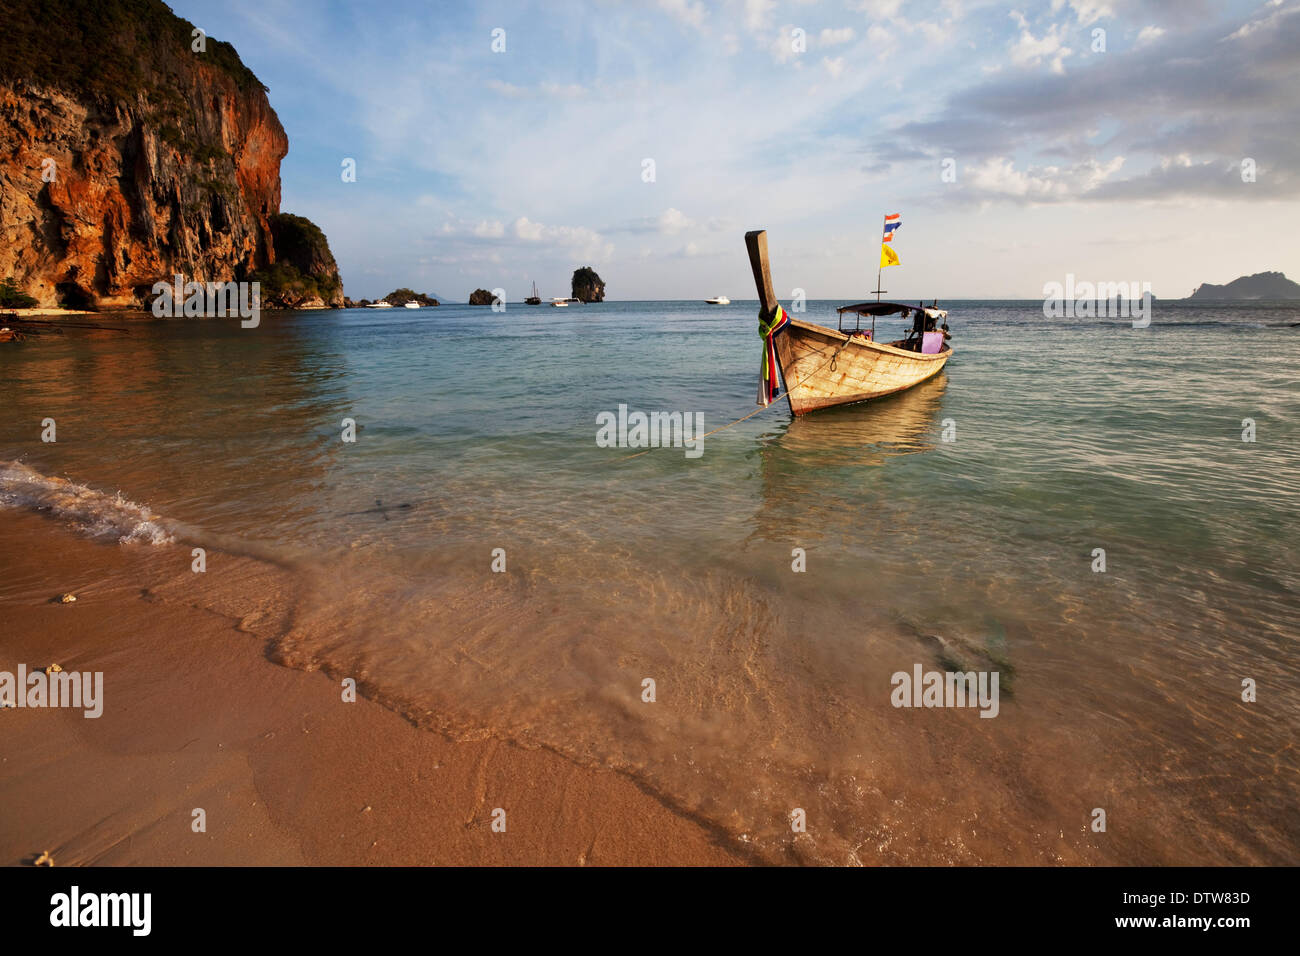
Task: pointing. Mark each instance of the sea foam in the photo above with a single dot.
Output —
(92, 512)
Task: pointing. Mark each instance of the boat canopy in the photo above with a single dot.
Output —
(890, 308)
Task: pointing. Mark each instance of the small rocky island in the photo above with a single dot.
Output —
(587, 286)
(1262, 285)
(397, 298)
(481, 297)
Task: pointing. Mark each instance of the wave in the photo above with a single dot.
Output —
(95, 513)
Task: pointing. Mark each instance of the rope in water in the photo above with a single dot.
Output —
(756, 411)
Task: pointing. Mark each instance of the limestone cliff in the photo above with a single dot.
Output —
(587, 286)
(128, 156)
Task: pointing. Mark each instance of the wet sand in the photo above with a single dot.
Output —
(196, 716)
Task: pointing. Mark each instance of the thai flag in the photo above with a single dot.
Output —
(892, 222)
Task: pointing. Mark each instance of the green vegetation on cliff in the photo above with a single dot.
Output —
(11, 297)
(402, 296)
(113, 49)
(304, 267)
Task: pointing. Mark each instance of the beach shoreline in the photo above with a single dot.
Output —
(196, 717)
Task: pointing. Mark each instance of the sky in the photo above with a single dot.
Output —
(1108, 139)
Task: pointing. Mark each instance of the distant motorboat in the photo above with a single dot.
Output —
(412, 304)
(560, 303)
(719, 300)
(381, 304)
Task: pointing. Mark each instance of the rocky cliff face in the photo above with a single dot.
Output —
(587, 286)
(127, 157)
(304, 275)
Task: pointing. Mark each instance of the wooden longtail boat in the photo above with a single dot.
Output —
(822, 367)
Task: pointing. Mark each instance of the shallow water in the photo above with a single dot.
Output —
(476, 431)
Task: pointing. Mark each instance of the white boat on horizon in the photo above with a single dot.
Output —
(718, 300)
(559, 303)
(381, 304)
(412, 304)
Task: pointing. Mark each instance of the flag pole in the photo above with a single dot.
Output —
(880, 268)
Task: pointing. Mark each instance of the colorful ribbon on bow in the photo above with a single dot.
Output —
(768, 380)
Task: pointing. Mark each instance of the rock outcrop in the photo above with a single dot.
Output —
(304, 274)
(399, 297)
(1262, 285)
(587, 286)
(128, 156)
(481, 297)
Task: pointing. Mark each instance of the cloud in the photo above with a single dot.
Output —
(1087, 12)
(834, 67)
(829, 37)
(1149, 35)
(522, 231)
(1029, 50)
(1151, 105)
(999, 178)
(758, 15)
(542, 90)
(692, 14)
(672, 222)
(782, 46)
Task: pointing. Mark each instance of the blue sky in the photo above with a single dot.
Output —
(491, 169)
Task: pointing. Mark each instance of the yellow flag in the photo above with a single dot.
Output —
(888, 257)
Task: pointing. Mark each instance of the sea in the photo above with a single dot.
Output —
(1104, 516)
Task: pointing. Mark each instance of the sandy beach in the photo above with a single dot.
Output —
(196, 716)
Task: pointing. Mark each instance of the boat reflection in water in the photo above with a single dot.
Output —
(819, 472)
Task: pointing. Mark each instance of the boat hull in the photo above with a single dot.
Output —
(822, 367)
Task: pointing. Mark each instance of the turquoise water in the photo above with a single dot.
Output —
(477, 431)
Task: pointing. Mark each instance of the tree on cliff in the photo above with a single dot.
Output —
(587, 286)
(12, 297)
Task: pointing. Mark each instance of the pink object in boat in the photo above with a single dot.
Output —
(932, 344)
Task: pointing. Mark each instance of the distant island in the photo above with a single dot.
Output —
(1262, 285)
(587, 286)
(398, 297)
(481, 297)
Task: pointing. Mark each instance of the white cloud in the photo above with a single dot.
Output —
(1090, 11)
(782, 48)
(1029, 50)
(829, 37)
(672, 221)
(999, 177)
(527, 230)
(692, 14)
(879, 9)
(1149, 35)
(834, 67)
(758, 14)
